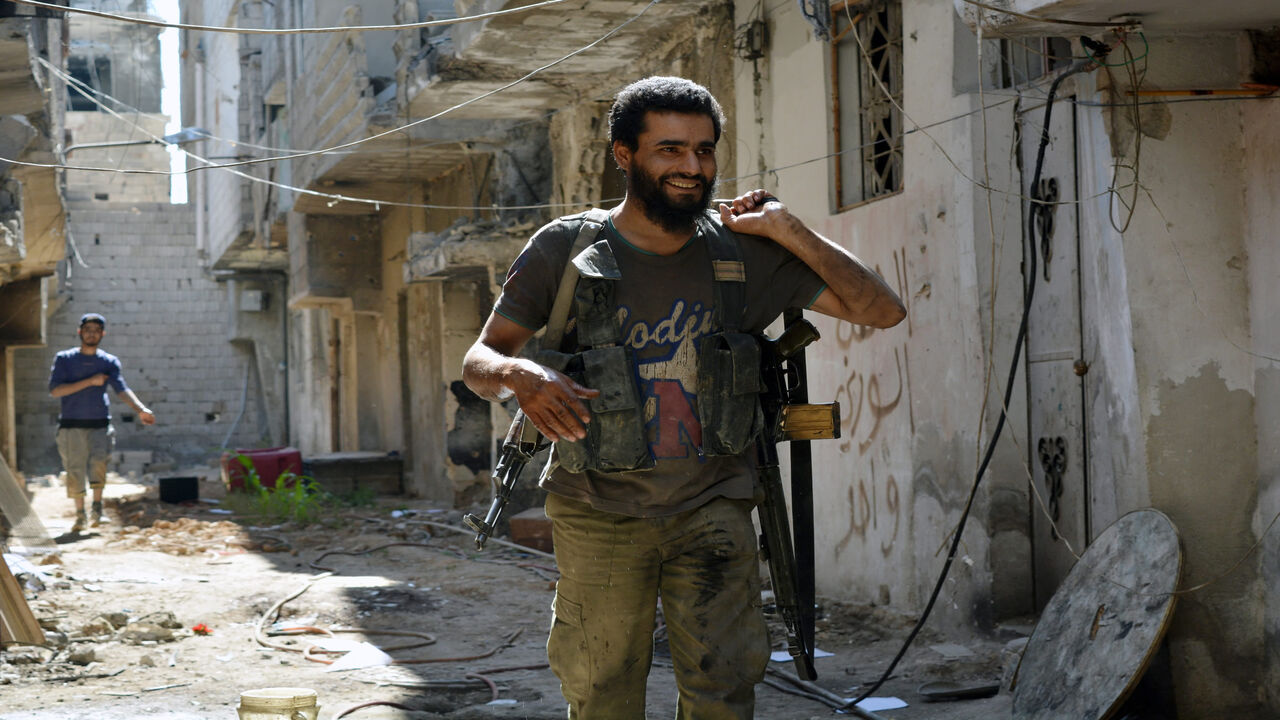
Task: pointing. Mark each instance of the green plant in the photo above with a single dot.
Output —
(358, 497)
(294, 498)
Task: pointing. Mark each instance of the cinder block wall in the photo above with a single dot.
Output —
(166, 321)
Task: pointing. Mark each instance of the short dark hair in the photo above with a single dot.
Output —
(659, 94)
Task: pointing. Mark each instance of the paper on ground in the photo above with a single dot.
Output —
(366, 655)
(873, 704)
(335, 643)
(784, 656)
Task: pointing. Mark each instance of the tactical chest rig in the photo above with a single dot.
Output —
(728, 379)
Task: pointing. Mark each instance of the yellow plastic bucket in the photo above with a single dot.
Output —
(282, 703)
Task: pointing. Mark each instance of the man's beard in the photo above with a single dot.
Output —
(671, 216)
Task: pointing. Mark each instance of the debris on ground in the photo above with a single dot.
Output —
(191, 536)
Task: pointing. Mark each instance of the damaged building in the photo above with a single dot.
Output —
(389, 248)
(1075, 200)
(124, 249)
(32, 206)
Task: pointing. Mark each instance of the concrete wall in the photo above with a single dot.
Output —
(217, 80)
(890, 491)
(166, 322)
(1180, 389)
(99, 127)
(1187, 268)
(257, 315)
(1262, 216)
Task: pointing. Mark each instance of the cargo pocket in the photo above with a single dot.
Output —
(729, 392)
(567, 649)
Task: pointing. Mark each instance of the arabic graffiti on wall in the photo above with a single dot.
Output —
(868, 397)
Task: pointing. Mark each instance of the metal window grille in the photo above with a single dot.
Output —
(869, 144)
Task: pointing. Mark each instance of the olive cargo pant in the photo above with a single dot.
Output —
(83, 448)
(613, 568)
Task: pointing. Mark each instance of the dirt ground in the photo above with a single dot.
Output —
(467, 629)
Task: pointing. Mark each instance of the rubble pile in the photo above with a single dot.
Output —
(190, 536)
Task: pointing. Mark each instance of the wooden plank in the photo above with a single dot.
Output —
(24, 525)
(17, 622)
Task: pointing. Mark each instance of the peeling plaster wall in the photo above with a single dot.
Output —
(1262, 217)
(1187, 269)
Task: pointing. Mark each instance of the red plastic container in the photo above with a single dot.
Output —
(269, 462)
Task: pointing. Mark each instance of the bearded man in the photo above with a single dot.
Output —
(650, 485)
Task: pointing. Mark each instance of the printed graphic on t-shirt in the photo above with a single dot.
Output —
(667, 361)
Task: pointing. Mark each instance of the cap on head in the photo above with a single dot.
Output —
(93, 318)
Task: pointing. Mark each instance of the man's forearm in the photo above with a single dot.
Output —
(70, 388)
(134, 402)
(863, 295)
(485, 370)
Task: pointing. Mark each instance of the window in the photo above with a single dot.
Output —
(866, 73)
(93, 71)
(1025, 60)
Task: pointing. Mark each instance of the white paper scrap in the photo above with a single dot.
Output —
(784, 656)
(873, 704)
(366, 655)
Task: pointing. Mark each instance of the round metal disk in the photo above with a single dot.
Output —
(1103, 625)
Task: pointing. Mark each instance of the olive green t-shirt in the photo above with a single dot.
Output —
(665, 305)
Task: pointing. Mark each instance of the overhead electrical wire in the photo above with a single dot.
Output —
(282, 31)
(104, 100)
(334, 197)
(97, 97)
(446, 111)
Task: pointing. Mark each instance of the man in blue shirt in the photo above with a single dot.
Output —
(85, 437)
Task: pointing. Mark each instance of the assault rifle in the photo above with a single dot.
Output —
(522, 442)
(784, 420)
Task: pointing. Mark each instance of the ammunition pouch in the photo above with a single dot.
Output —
(728, 382)
(729, 392)
(616, 438)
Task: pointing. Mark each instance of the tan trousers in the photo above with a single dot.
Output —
(613, 568)
(83, 448)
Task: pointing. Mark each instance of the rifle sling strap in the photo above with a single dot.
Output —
(592, 222)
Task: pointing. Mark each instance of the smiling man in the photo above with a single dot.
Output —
(80, 377)
(651, 483)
